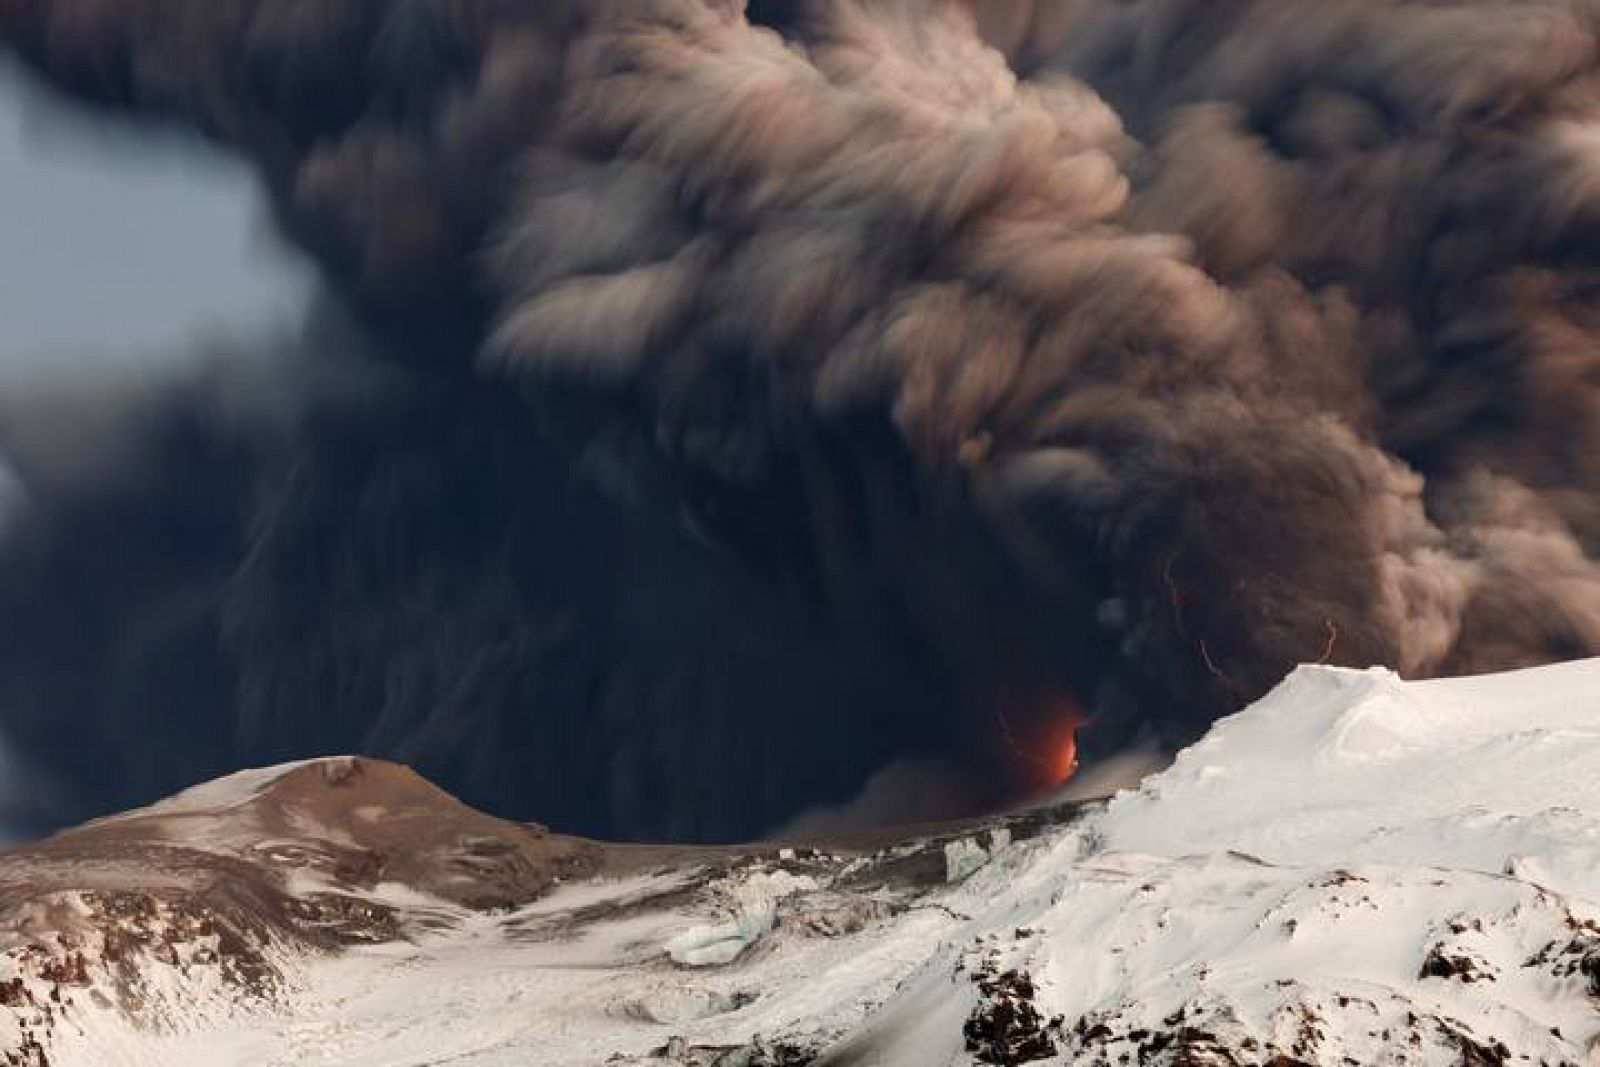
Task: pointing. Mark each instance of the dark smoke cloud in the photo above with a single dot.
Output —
(775, 395)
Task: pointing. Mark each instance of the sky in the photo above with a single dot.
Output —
(122, 244)
(121, 250)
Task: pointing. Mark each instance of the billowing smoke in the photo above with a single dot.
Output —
(762, 399)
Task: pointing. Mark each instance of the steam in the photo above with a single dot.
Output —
(775, 397)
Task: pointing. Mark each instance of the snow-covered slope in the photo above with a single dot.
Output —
(1356, 870)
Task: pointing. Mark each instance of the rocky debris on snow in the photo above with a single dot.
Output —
(1006, 1027)
(674, 1004)
(756, 1054)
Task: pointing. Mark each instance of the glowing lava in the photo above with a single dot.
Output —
(1063, 761)
(1049, 745)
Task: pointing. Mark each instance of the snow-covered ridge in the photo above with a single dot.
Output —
(1474, 773)
(1356, 870)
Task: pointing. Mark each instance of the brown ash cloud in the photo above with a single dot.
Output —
(770, 396)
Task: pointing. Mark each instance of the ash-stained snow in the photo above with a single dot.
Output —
(1356, 870)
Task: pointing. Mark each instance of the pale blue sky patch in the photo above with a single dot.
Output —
(120, 243)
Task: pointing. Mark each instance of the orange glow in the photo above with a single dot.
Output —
(1049, 747)
(1064, 756)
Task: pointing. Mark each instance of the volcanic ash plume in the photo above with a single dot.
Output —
(775, 395)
